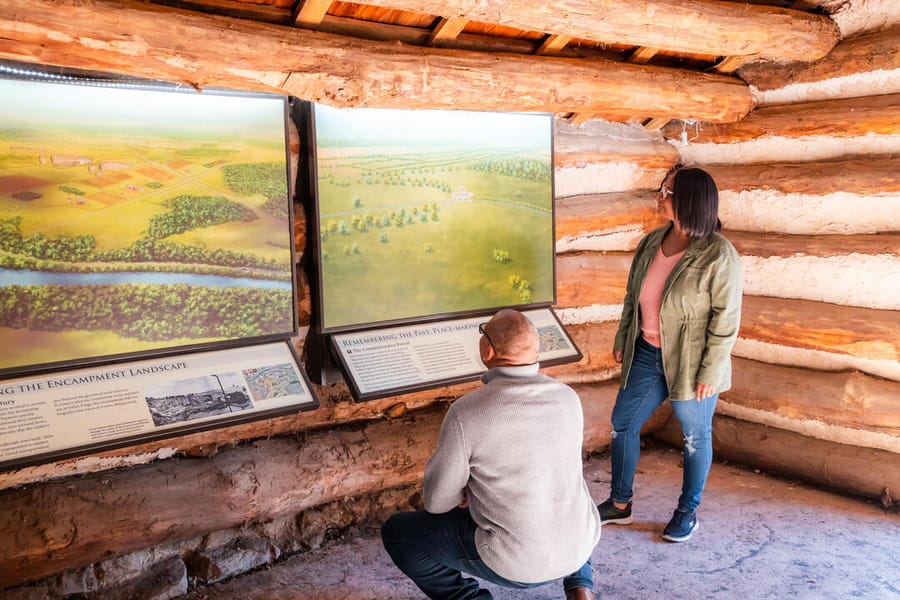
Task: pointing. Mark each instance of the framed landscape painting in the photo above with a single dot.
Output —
(139, 219)
(431, 213)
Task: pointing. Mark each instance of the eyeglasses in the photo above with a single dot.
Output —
(664, 193)
(482, 331)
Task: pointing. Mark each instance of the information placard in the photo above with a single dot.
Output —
(72, 412)
(383, 362)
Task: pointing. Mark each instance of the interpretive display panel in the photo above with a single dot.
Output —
(431, 213)
(138, 218)
(394, 360)
(73, 412)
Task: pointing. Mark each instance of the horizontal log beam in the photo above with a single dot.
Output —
(770, 245)
(852, 117)
(865, 472)
(860, 332)
(879, 51)
(704, 26)
(146, 40)
(875, 175)
(847, 400)
(606, 214)
(852, 270)
(575, 146)
(587, 278)
(120, 512)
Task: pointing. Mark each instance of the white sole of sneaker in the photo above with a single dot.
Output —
(622, 521)
(683, 538)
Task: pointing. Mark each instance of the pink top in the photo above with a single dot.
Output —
(650, 299)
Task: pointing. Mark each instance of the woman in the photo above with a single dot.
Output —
(680, 320)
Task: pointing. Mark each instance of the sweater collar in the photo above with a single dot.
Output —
(516, 371)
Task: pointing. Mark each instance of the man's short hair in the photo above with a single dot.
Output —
(513, 335)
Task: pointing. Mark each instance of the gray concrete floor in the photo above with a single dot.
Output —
(759, 537)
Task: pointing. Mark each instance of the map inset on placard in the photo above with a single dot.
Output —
(552, 339)
(275, 381)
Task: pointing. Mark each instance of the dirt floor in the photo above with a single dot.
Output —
(759, 537)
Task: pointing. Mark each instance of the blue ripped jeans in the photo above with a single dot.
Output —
(435, 549)
(643, 393)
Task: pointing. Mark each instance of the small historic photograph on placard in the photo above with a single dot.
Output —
(196, 398)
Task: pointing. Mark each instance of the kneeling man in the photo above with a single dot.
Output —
(505, 497)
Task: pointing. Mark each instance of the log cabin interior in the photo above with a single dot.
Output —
(792, 106)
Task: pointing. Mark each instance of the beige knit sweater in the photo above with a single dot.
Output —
(515, 446)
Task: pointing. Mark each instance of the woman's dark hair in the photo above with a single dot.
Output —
(695, 202)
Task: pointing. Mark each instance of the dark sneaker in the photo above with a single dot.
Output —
(683, 524)
(610, 514)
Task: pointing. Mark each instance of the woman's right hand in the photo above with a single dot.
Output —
(617, 356)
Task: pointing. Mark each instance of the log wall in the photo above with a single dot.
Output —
(817, 364)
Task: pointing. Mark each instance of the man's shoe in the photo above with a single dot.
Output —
(683, 524)
(581, 593)
(610, 514)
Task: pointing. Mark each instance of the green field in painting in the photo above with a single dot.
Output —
(407, 234)
(116, 203)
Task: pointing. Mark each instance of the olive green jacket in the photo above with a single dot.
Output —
(699, 316)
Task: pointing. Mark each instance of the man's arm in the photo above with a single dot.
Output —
(447, 471)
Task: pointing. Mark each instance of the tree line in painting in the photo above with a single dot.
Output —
(146, 312)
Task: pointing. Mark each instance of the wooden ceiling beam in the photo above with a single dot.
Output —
(135, 38)
(714, 27)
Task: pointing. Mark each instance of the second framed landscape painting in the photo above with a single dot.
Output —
(425, 214)
(139, 219)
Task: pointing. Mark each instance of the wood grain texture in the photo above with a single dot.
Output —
(871, 175)
(77, 521)
(146, 40)
(875, 51)
(587, 278)
(853, 470)
(823, 246)
(844, 399)
(594, 214)
(703, 26)
(852, 117)
(861, 332)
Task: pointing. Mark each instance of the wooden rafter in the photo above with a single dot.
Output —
(730, 64)
(642, 55)
(446, 29)
(552, 44)
(311, 12)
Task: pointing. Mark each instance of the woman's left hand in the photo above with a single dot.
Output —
(704, 391)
